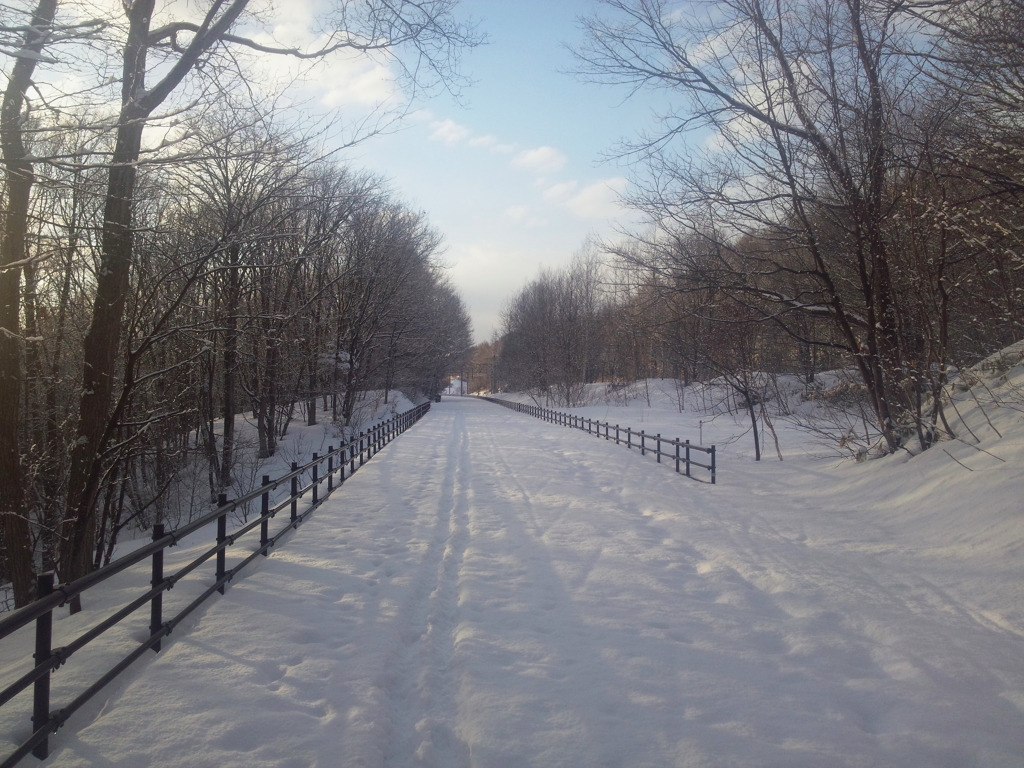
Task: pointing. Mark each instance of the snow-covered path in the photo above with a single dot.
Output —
(491, 590)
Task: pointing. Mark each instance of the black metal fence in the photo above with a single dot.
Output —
(45, 721)
(679, 450)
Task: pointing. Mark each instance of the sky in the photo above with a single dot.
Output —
(515, 173)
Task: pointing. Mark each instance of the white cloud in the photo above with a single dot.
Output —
(516, 213)
(449, 132)
(342, 79)
(599, 200)
(541, 159)
(524, 216)
(493, 143)
(487, 273)
(559, 193)
(359, 81)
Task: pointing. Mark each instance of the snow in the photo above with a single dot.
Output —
(492, 590)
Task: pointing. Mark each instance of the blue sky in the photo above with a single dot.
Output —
(513, 177)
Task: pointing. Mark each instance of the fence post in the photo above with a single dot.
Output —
(687, 458)
(330, 469)
(295, 492)
(643, 447)
(156, 605)
(41, 693)
(352, 456)
(616, 434)
(712, 465)
(316, 484)
(677, 455)
(222, 536)
(264, 511)
(659, 447)
(361, 459)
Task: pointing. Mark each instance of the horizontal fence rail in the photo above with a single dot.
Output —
(679, 450)
(301, 480)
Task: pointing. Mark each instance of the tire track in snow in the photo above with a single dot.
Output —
(424, 678)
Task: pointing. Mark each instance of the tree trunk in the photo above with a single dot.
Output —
(230, 362)
(100, 357)
(19, 179)
(78, 529)
(748, 400)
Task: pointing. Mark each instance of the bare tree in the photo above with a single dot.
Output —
(30, 39)
(798, 197)
(170, 53)
(549, 334)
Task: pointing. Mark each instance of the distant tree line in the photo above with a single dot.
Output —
(853, 200)
(174, 255)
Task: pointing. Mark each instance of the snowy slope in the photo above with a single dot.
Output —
(492, 590)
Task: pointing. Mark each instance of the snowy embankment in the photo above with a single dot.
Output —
(492, 590)
(960, 500)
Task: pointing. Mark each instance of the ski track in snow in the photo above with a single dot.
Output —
(494, 591)
(421, 681)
